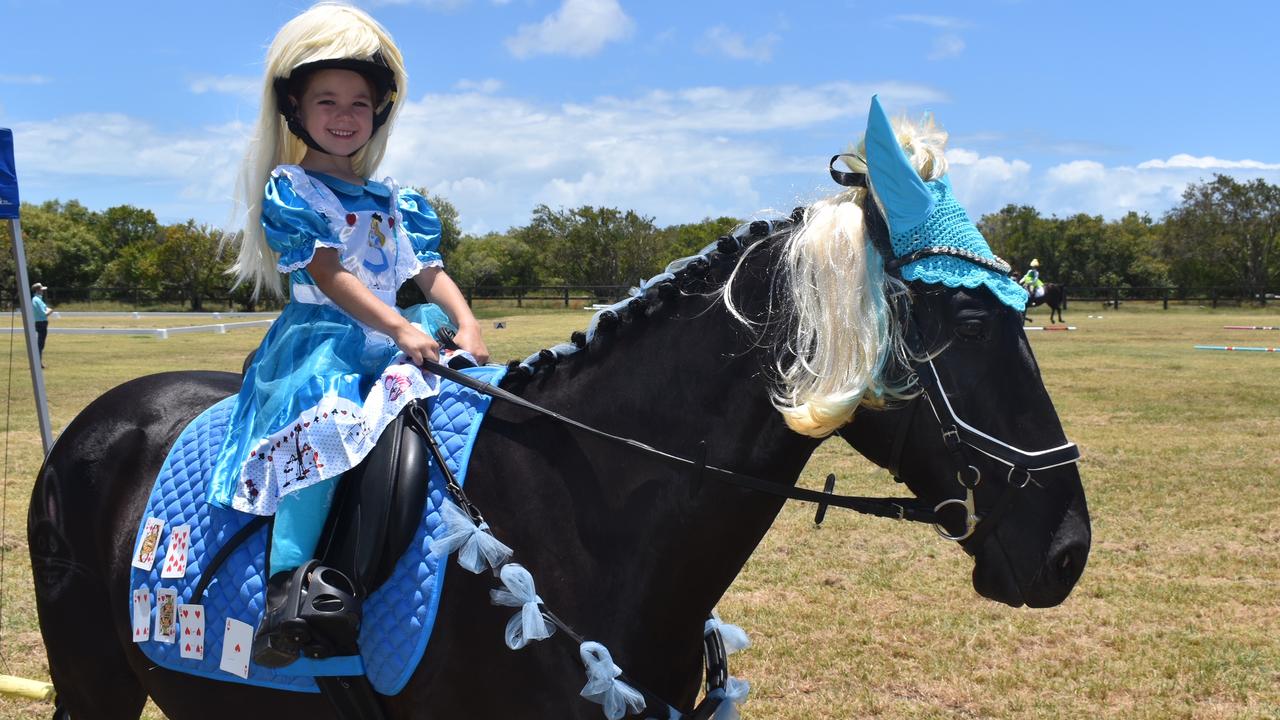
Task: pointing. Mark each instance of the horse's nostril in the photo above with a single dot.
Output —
(1065, 563)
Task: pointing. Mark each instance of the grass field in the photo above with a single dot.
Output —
(1176, 616)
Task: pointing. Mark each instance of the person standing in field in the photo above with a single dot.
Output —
(41, 312)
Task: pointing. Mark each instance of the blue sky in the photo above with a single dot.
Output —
(680, 110)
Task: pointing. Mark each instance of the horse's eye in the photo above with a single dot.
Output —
(971, 330)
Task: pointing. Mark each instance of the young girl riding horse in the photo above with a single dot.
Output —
(341, 361)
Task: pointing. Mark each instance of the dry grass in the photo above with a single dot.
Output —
(1177, 615)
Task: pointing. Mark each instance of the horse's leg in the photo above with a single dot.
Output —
(81, 525)
(78, 619)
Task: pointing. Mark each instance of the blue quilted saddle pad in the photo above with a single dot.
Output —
(398, 616)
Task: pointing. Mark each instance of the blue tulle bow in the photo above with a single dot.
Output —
(528, 624)
(603, 685)
(477, 548)
(733, 694)
(733, 637)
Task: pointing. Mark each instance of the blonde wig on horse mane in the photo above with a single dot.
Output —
(841, 301)
(327, 31)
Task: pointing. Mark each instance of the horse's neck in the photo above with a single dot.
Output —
(664, 543)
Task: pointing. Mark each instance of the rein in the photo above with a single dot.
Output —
(957, 435)
(893, 508)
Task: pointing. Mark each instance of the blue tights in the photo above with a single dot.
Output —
(299, 520)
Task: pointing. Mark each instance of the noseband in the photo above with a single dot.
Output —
(959, 437)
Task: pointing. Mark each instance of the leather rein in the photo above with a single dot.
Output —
(959, 438)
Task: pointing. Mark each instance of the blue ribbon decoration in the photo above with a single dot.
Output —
(733, 637)
(603, 685)
(733, 695)
(477, 548)
(528, 624)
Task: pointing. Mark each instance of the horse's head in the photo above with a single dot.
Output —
(902, 309)
(982, 426)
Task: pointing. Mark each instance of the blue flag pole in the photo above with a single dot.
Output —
(9, 206)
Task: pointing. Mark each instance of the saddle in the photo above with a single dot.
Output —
(378, 506)
(378, 503)
(315, 611)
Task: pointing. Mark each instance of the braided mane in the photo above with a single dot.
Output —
(693, 275)
(838, 306)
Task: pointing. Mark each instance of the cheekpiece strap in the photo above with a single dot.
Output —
(994, 264)
(847, 179)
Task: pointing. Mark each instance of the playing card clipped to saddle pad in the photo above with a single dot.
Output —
(200, 637)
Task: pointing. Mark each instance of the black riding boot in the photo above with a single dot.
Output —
(311, 611)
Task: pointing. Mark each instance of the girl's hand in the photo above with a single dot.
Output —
(416, 344)
(468, 338)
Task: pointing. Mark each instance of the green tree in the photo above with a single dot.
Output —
(192, 260)
(594, 246)
(683, 240)
(494, 259)
(125, 225)
(1225, 233)
(61, 240)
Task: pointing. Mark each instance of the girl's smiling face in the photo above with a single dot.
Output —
(337, 110)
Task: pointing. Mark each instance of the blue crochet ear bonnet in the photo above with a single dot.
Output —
(924, 216)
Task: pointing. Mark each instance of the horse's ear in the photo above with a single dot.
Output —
(906, 199)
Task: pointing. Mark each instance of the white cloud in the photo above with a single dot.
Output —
(25, 79)
(935, 21)
(946, 46)
(986, 184)
(678, 155)
(487, 86)
(1208, 162)
(108, 159)
(578, 29)
(429, 4)
(724, 41)
(245, 87)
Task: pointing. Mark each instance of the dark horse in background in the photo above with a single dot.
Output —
(1055, 296)
(629, 551)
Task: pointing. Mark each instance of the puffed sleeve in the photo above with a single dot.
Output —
(423, 227)
(293, 228)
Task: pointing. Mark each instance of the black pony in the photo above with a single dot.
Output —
(632, 551)
(1055, 296)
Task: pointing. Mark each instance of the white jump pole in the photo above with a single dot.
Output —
(9, 206)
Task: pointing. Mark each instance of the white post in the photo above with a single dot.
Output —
(9, 206)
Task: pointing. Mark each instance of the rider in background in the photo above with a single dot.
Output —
(341, 362)
(1032, 282)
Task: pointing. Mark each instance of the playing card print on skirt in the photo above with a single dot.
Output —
(398, 617)
(326, 439)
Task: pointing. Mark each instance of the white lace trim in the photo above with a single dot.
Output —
(326, 439)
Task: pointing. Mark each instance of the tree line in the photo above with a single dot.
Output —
(1224, 233)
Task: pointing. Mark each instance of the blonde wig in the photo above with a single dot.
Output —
(327, 31)
(842, 301)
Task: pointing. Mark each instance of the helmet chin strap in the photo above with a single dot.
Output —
(374, 70)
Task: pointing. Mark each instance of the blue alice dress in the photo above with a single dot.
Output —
(322, 386)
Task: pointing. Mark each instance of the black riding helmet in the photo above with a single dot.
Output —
(375, 70)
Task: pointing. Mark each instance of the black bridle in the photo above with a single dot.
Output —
(959, 437)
